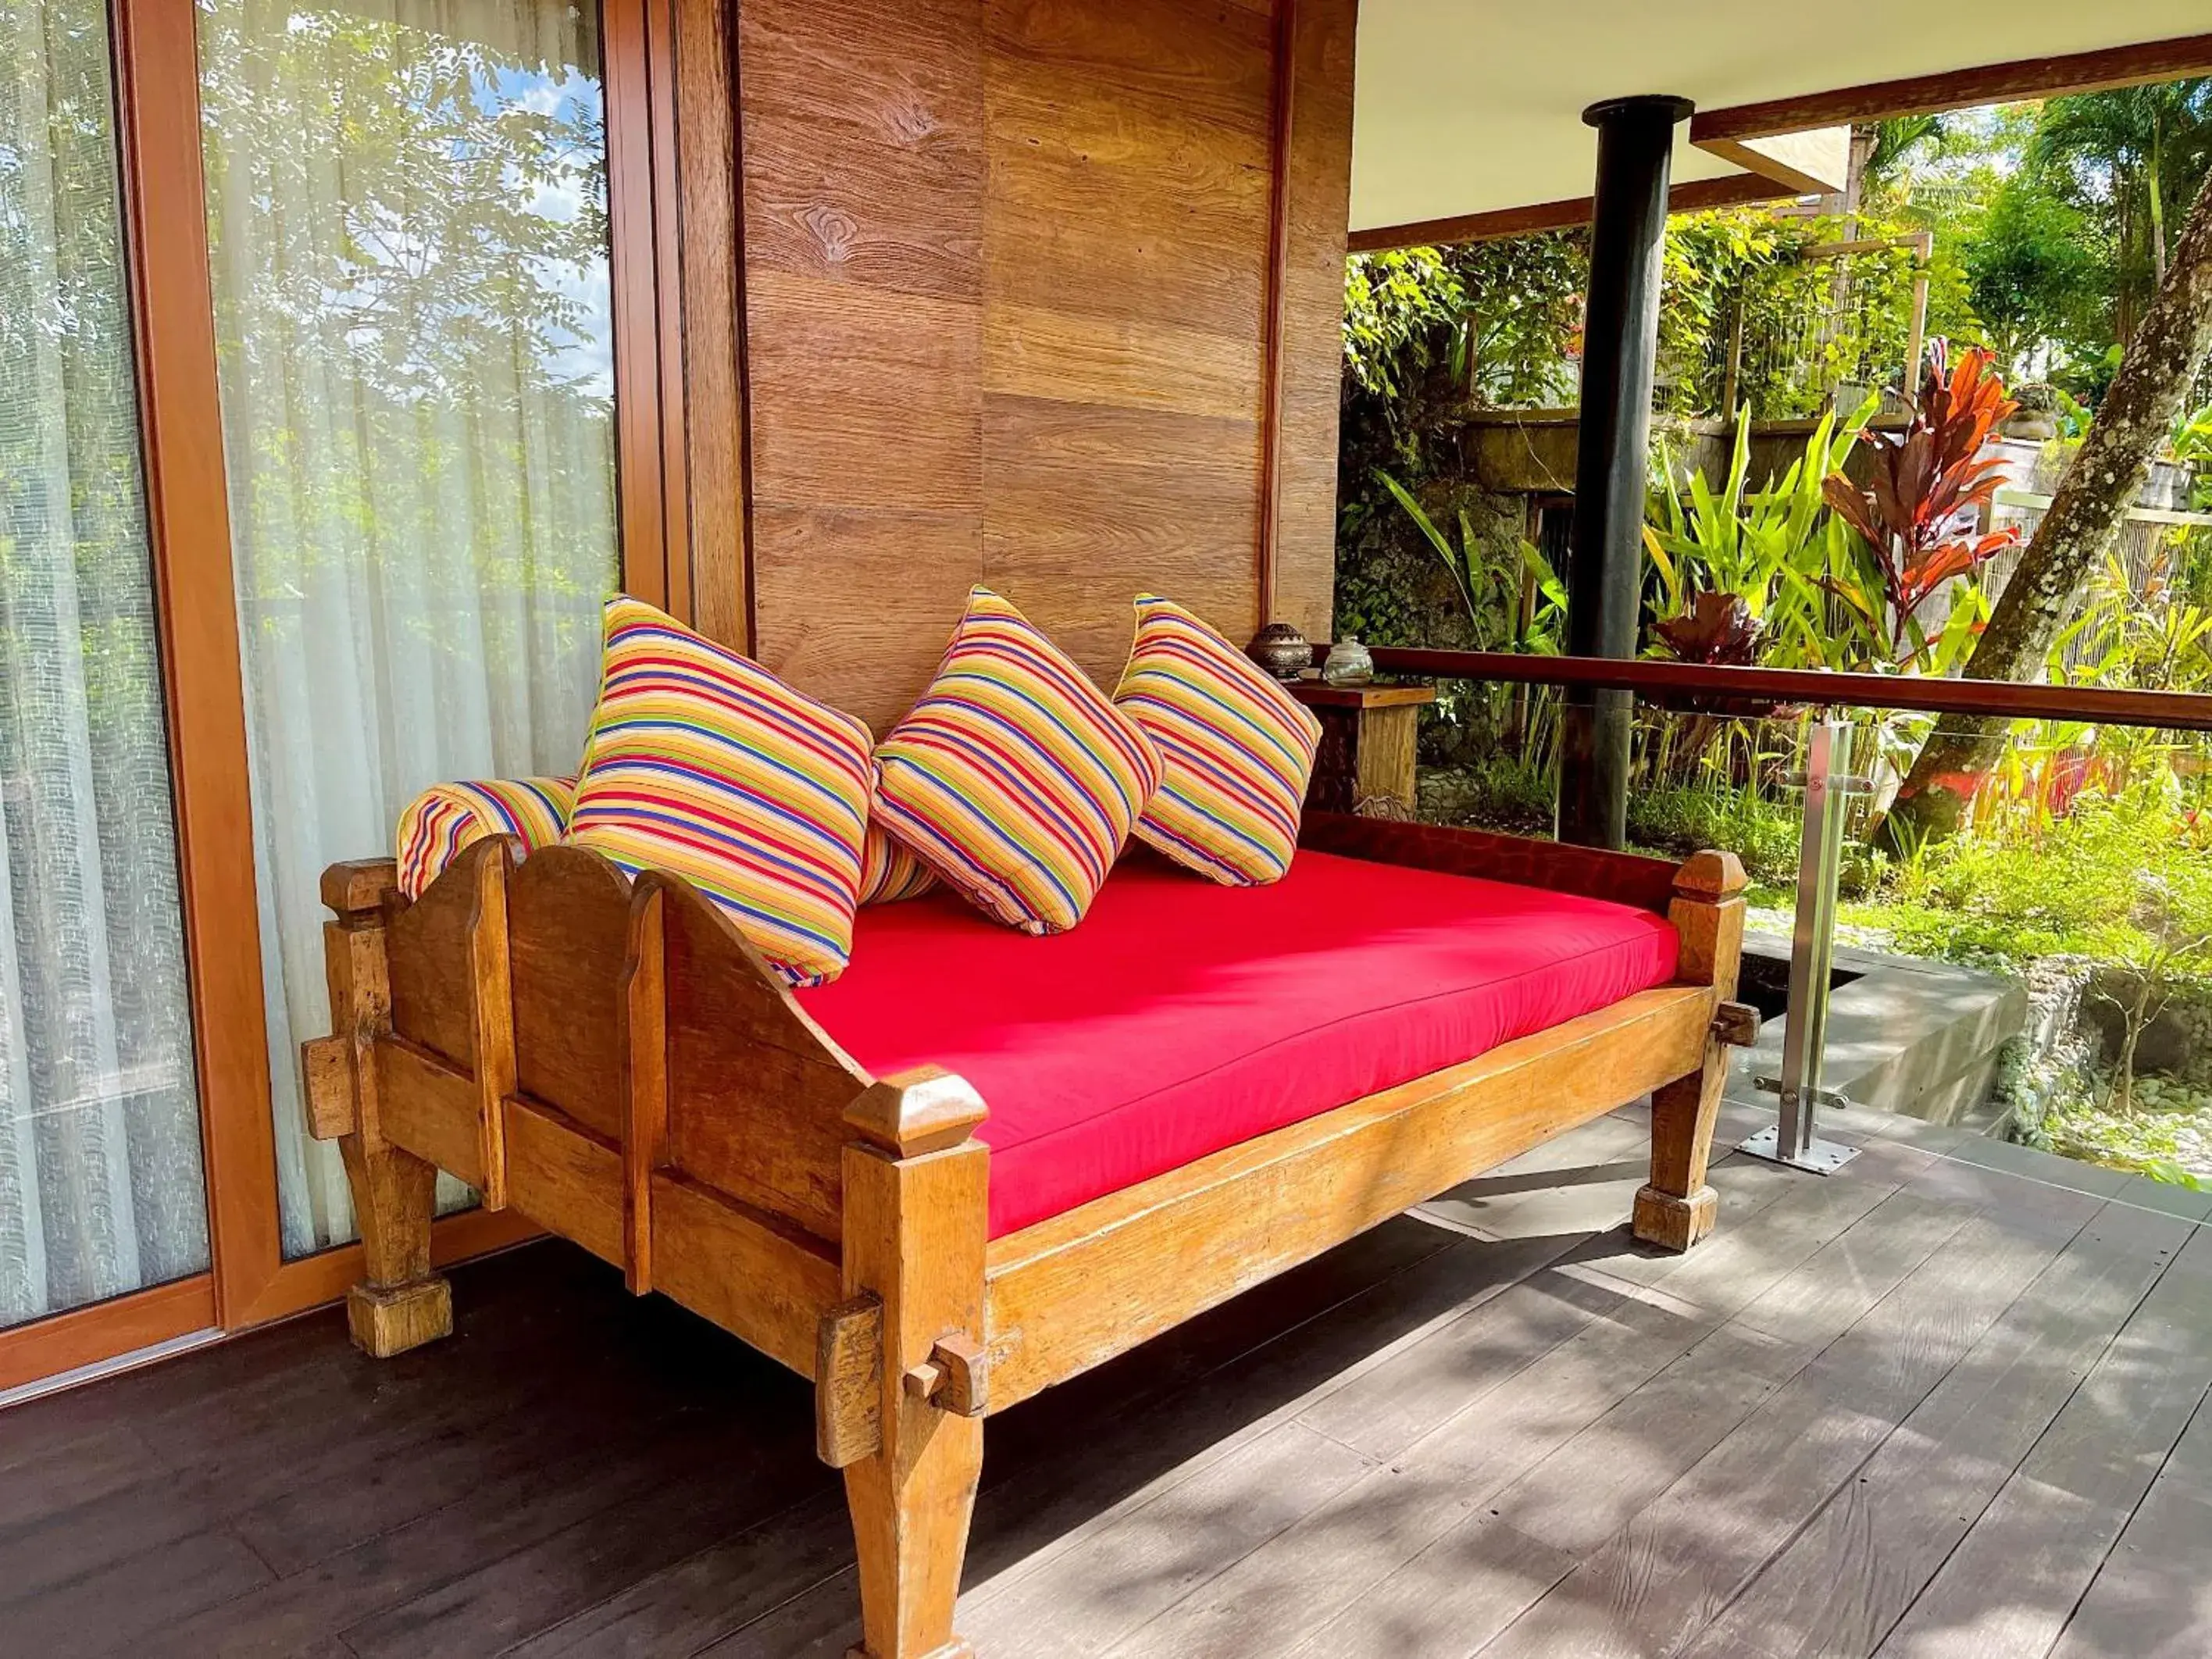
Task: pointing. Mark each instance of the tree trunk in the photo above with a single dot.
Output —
(2169, 347)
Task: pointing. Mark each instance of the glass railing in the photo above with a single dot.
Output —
(2037, 970)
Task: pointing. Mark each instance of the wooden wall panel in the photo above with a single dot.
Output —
(712, 306)
(1316, 205)
(1127, 256)
(864, 196)
(1026, 304)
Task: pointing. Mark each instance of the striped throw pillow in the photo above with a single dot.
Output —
(889, 872)
(702, 763)
(448, 816)
(1014, 777)
(1238, 750)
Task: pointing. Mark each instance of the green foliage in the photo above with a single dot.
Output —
(1777, 549)
(2121, 877)
(2152, 1145)
(455, 285)
(1494, 789)
(1524, 295)
(1400, 308)
(2038, 274)
(2150, 641)
(1797, 344)
(1431, 335)
(1680, 818)
(1514, 600)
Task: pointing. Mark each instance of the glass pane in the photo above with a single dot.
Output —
(100, 1183)
(407, 205)
(2043, 975)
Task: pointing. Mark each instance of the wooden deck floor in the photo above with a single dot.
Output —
(1946, 1402)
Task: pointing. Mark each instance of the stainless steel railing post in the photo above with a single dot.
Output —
(1828, 784)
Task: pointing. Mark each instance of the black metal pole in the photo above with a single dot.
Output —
(1621, 338)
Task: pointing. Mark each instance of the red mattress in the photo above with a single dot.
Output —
(1182, 1016)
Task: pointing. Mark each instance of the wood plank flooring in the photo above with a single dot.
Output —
(1950, 1401)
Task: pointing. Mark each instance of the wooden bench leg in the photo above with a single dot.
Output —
(401, 1305)
(1677, 1208)
(914, 1227)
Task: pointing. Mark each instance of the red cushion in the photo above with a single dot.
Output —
(1183, 1017)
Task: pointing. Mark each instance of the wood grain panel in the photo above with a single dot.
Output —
(1038, 351)
(565, 1178)
(1024, 302)
(822, 211)
(1214, 62)
(1091, 503)
(428, 946)
(1158, 212)
(865, 184)
(567, 913)
(733, 1265)
(712, 311)
(867, 396)
(1127, 260)
(855, 605)
(1316, 160)
(756, 1090)
(429, 1109)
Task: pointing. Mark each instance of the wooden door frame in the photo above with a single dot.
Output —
(155, 47)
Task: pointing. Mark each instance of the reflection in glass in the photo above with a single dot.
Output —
(407, 208)
(100, 1185)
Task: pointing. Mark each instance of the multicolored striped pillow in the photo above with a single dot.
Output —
(703, 763)
(1014, 777)
(1238, 749)
(448, 816)
(889, 872)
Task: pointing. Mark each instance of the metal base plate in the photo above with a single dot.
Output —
(1821, 1158)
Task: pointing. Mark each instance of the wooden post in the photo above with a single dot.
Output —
(400, 1304)
(1677, 1208)
(1732, 380)
(915, 1229)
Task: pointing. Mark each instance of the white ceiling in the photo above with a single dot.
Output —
(1471, 105)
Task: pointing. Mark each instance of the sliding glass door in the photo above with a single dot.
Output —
(101, 1185)
(407, 210)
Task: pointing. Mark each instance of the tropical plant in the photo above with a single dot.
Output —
(1773, 549)
(1922, 482)
(1515, 603)
(1718, 631)
(2152, 388)
(1394, 302)
(2136, 155)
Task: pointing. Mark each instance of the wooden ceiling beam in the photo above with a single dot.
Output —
(1690, 196)
(1962, 88)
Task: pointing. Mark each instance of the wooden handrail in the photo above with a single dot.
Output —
(2172, 711)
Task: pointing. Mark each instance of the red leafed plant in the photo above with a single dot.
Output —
(1924, 483)
(1718, 629)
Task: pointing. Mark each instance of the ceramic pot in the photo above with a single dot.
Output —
(1281, 650)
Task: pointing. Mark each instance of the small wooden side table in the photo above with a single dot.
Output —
(1367, 743)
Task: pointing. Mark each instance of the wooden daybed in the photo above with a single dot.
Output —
(610, 1058)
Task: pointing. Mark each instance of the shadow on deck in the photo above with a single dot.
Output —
(1951, 1400)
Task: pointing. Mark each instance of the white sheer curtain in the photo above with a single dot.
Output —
(407, 210)
(100, 1183)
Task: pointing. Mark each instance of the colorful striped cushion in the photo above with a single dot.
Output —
(1014, 777)
(1238, 749)
(889, 872)
(447, 817)
(702, 763)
